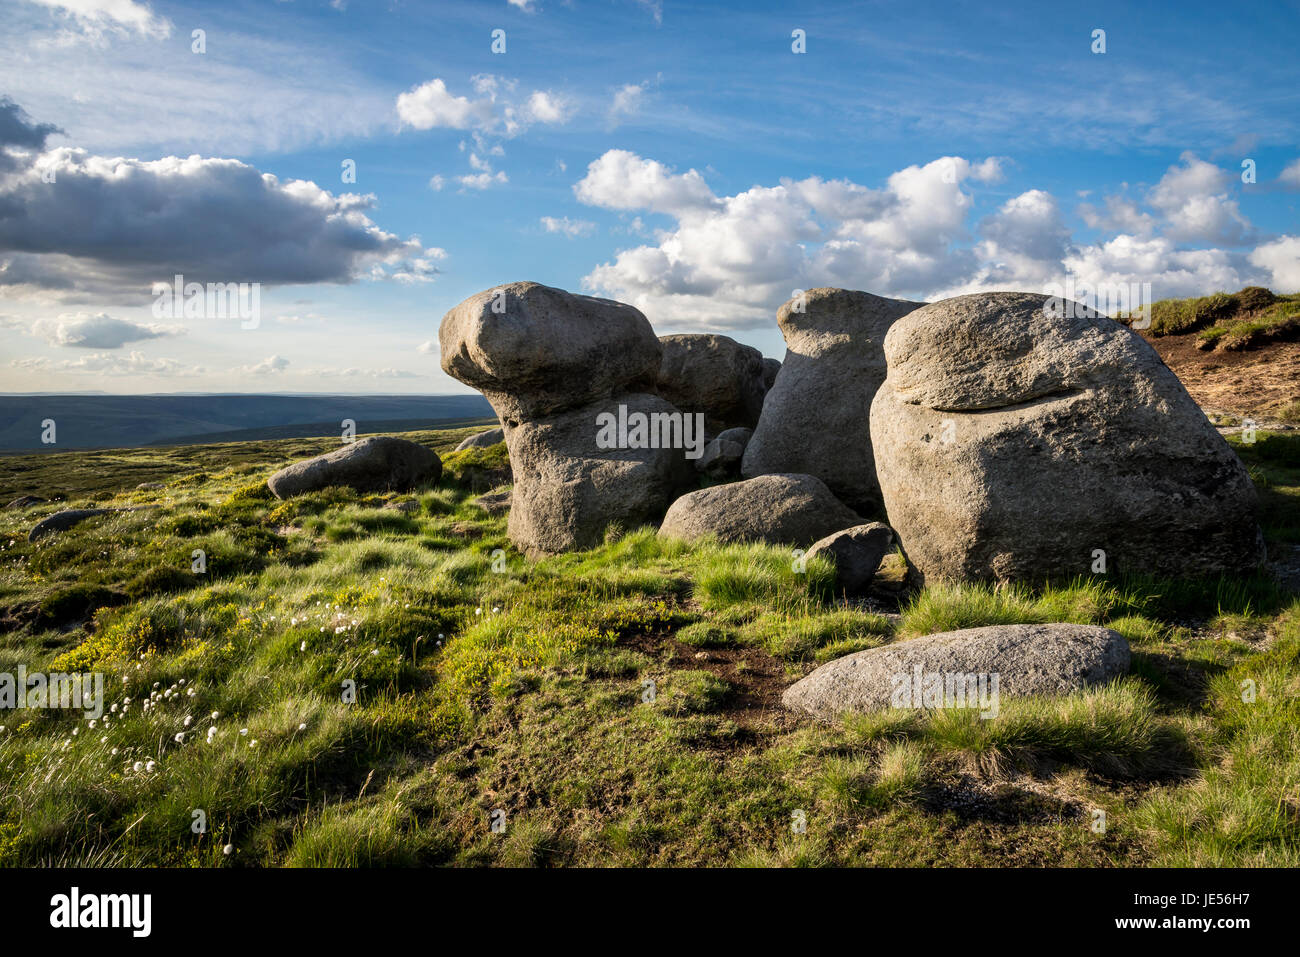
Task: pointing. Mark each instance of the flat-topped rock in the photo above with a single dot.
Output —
(777, 509)
(378, 463)
(948, 669)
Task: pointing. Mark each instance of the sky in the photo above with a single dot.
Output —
(365, 166)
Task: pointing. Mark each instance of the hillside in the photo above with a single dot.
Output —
(1238, 354)
(618, 706)
(90, 421)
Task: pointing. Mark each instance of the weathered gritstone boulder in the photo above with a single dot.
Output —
(71, 517)
(715, 375)
(856, 553)
(568, 488)
(1015, 444)
(723, 454)
(25, 501)
(771, 369)
(379, 463)
(482, 440)
(815, 417)
(533, 350)
(957, 669)
(777, 509)
(494, 503)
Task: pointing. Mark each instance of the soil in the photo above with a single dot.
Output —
(1258, 382)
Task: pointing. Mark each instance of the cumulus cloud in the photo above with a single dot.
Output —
(1120, 215)
(730, 261)
(1281, 258)
(431, 104)
(622, 180)
(74, 223)
(99, 331)
(544, 106)
(1193, 198)
(428, 347)
(569, 227)
(496, 108)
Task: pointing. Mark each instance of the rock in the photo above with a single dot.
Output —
(547, 350)
(494, 503)
(771, 367)
(568, 489)
(715, 375)
(150, 486)
(70, 517)
(856, 553)
(814, 419)
(1016, 445)
(25, 501)
(482, 440)
(1026, 660)
(778, 509)
(378, 463)
(722, 456)
(408, 506)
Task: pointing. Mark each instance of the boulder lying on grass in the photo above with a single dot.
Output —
(378, 463)
(814, 419)
(482, 440)
(971, 668)
(856, 553)
(784, 509)
(1022, 438)
(71, 517)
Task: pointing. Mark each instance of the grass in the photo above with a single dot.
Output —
(1233, 321)
(388, 683)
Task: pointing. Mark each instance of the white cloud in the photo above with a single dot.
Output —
(95, 17)
(428, 348)
(1290, 175)
(271, 365)
(1194, 201)
(626, 102)
(622, 180)
(544, 106)
(569, 227)
(481, 180)
(1172, 272)
(103, 363)
(99, 331)
(430, 104)
(1120, 215)
(114, 225)
(524, 5)
(1282, 260)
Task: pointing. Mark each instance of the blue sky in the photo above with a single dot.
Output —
(678, 156)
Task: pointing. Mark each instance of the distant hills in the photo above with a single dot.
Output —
(88, 420)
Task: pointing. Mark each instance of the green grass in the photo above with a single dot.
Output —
(1240, 320)
(618, 706)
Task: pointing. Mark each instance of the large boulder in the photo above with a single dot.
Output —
(777, 509)
(568, 488)
(379, 463)
(482, 440)
(814, 419)
(856, 553)
(533, 350)
(715, 375)
(1017, 440)
(957, 669)
(68, 518)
